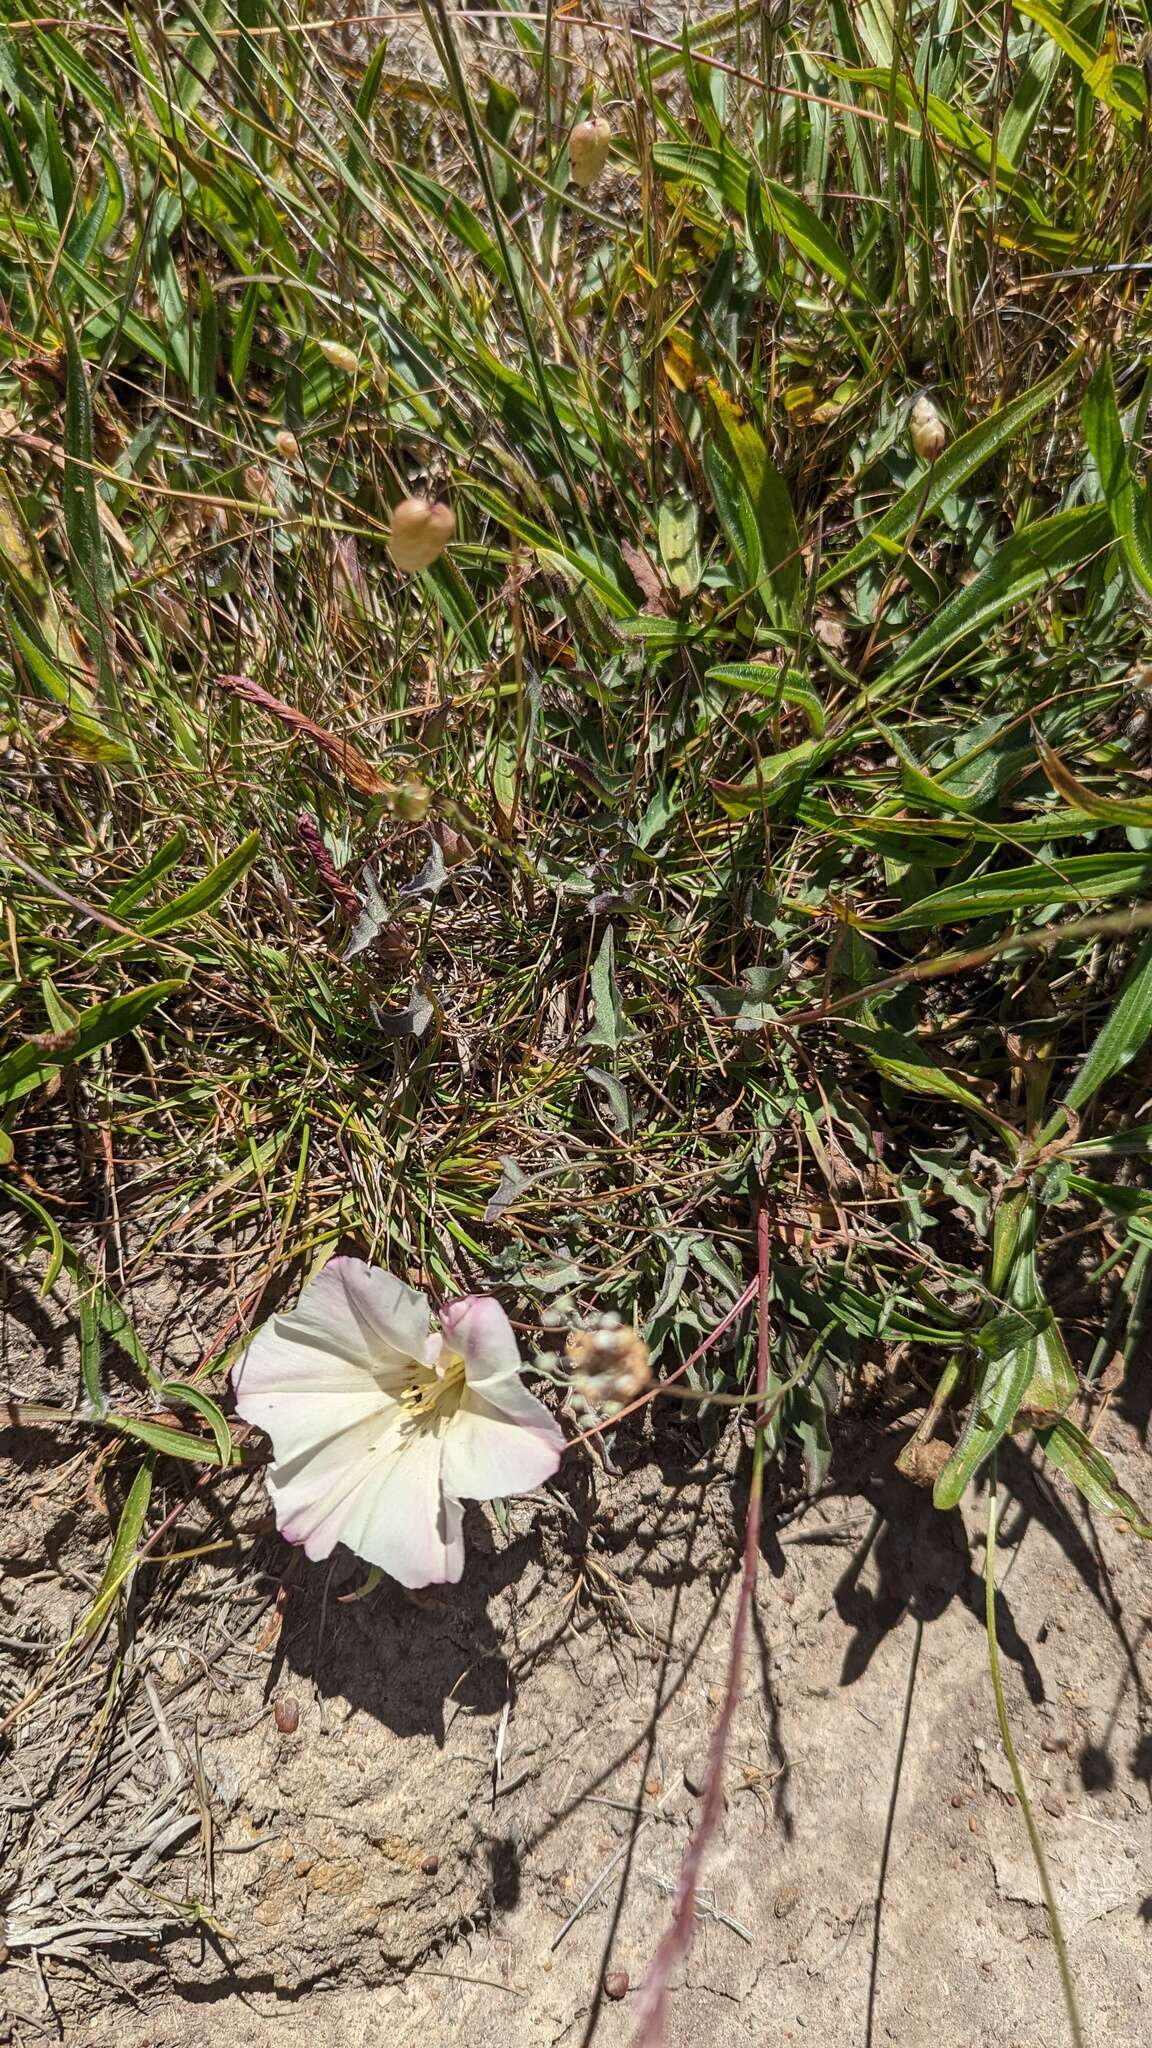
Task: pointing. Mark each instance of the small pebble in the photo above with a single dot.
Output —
(286, 1714)
(786, 1899)
(616, 1984)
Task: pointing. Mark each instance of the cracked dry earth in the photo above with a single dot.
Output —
(460, 1815)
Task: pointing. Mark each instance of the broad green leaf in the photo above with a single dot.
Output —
(1104, 434)
(30, 1065)
(752, 503)
(122, 1555)
(1074, 1454)
(159, 1436)
(1008, 1356)
(85, 730)
(129, 894)
(204, 894)
(1081, 878)
(775, 685)
(1119, 86)
(1032, 560)
(961, 460)
(14, 1192)
(205, 1406)
(1111, 810)
(725, 177)
(908, 1064)
(1122, 1035)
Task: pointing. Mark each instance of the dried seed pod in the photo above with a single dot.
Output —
(927, 428)
(588, 147)
(421, 529)
(341, 358)
(612, 1364)
(286, 1714)
(616, 1984)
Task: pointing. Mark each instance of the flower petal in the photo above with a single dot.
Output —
(363, 1314)
(500, 1441)
(331, 1361)
(385, 1503)
(477, 1327)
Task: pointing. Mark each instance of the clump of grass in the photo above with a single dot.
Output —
(742, 801)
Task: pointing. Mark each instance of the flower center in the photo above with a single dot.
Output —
(433, 1393)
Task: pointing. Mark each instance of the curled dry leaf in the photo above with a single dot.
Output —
(588, 148)
(420, 531)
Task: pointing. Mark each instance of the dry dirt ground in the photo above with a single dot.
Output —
(409, 1820)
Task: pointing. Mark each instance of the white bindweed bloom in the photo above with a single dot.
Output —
(380, 1427)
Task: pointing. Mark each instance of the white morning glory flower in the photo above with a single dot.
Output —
(381, 1427)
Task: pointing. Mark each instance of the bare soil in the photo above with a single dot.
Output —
(412, 1819)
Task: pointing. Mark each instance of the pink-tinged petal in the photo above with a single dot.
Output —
(477, 1327)
(386, 1505)
(494, 1448)
(316, 1368)
(363, 1314)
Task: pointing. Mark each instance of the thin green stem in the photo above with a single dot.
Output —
(1037, 1846)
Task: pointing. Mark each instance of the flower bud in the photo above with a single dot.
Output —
(412, 801)
(421, 529)
(588, 147)
(927, 428)
(341, 358)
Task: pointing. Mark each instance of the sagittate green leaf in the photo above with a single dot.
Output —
(610, 1025)
(1074, 1454)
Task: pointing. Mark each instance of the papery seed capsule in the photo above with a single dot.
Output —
(287, 446)
(927, 428)
(421, 529)
(286, 1714)
(611, 1364)
(588, 147)
(341, 358)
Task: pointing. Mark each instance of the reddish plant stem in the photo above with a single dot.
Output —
(677, 1939)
